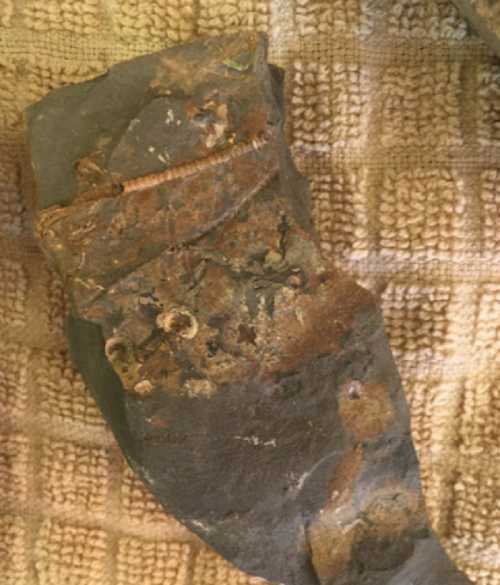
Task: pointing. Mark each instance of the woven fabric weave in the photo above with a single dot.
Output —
(394, 115)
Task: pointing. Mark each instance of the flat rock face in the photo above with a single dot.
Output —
(484, 17)
(249, 383)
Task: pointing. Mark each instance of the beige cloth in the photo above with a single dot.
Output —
(394, 114)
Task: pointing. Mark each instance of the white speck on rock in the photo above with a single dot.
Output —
(170, 117)
(149, 478)
(256, 441)
(201, 526)
(164, 157)
(302, 480)
(133, 123)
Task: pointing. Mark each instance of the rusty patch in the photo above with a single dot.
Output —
(366, 409)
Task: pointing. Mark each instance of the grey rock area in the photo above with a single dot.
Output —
(484, 17)
(249, 383)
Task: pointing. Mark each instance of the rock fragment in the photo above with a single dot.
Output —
(249, 382)
(484, 17)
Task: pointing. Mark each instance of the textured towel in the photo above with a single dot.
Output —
(394, 115)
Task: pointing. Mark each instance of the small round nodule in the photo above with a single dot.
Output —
(143, 388)
(116, 348)
(178, 321)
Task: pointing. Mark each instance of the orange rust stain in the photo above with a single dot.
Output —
(331, 548)
(391, 511)
(330, 313)
(330, 536)
(253, 123)
(346, 474)
(366, 410)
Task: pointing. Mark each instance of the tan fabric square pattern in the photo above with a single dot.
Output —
(63, 391)
(13, 379)
(70, 554)
(139, 506)
(490, 210)
(351, 17)
(339, 210)
(13, 554)
(210, 569)
(487, 324)
(418, 321)
(11, 203)
(74, 478)
(226, 16)
(80, 17)
(411, 214)
(420, 104)
(143, 562)
(488, 79)
(433, 20)
(13, 293)
(142, 19)
(14, 468)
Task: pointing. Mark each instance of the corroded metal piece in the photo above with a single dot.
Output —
(248, 382)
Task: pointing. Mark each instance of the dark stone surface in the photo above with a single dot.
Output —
(249, 383)
(484, 17)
